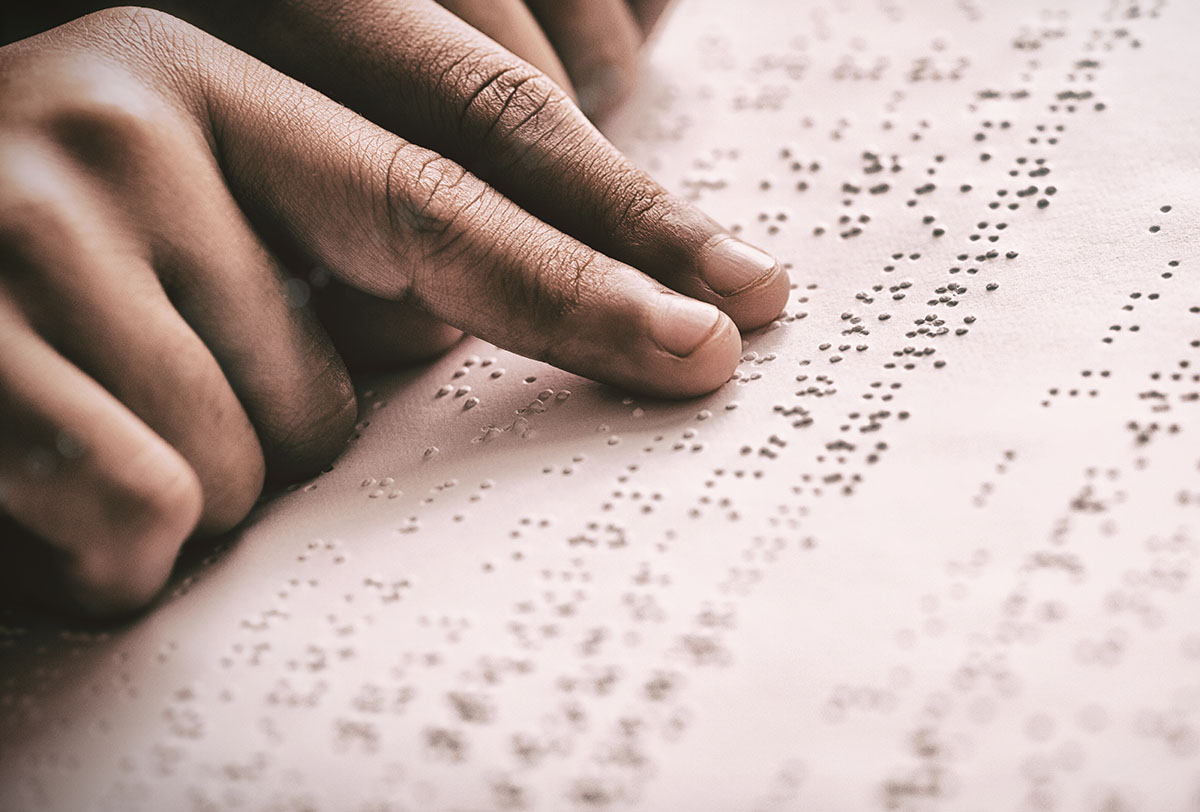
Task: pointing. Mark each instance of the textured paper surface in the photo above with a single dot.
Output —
(931, 549)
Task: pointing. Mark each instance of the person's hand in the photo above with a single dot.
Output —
(420, 72)
(164, 197)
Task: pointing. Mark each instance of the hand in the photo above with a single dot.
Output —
(152, 178)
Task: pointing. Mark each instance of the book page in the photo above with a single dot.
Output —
(930, 548)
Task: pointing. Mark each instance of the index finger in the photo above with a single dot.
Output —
(419, 71)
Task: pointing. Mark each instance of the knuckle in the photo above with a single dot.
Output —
(39, 219)
(127, 17)
(26, 219)
(167, 50)
(142, 505)
(152, 507)
(159, 500)
(647, 207)
(509, 108)
(429, 195)
(549, 292)
(508, 94)
(84, 112)
(111, 127)
(136, 25)
(643, 213)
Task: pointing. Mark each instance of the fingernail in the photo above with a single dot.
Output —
(683, 324)
(731, 266)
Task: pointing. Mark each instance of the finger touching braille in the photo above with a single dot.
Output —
(510, 125)
(417, 227)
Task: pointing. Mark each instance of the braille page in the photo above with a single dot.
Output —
(931, 548)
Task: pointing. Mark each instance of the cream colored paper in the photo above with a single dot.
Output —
(931, 549)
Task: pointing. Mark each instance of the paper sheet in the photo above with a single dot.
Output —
(932, 548)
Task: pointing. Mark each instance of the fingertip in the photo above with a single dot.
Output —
(711, 365)
(680, 325)
(746, 282)
(323, 437)
(696, 349)
(662, 344)
(760, 304)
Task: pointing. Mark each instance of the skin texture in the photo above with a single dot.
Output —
(193, 242)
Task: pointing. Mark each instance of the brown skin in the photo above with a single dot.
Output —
(162, 193)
